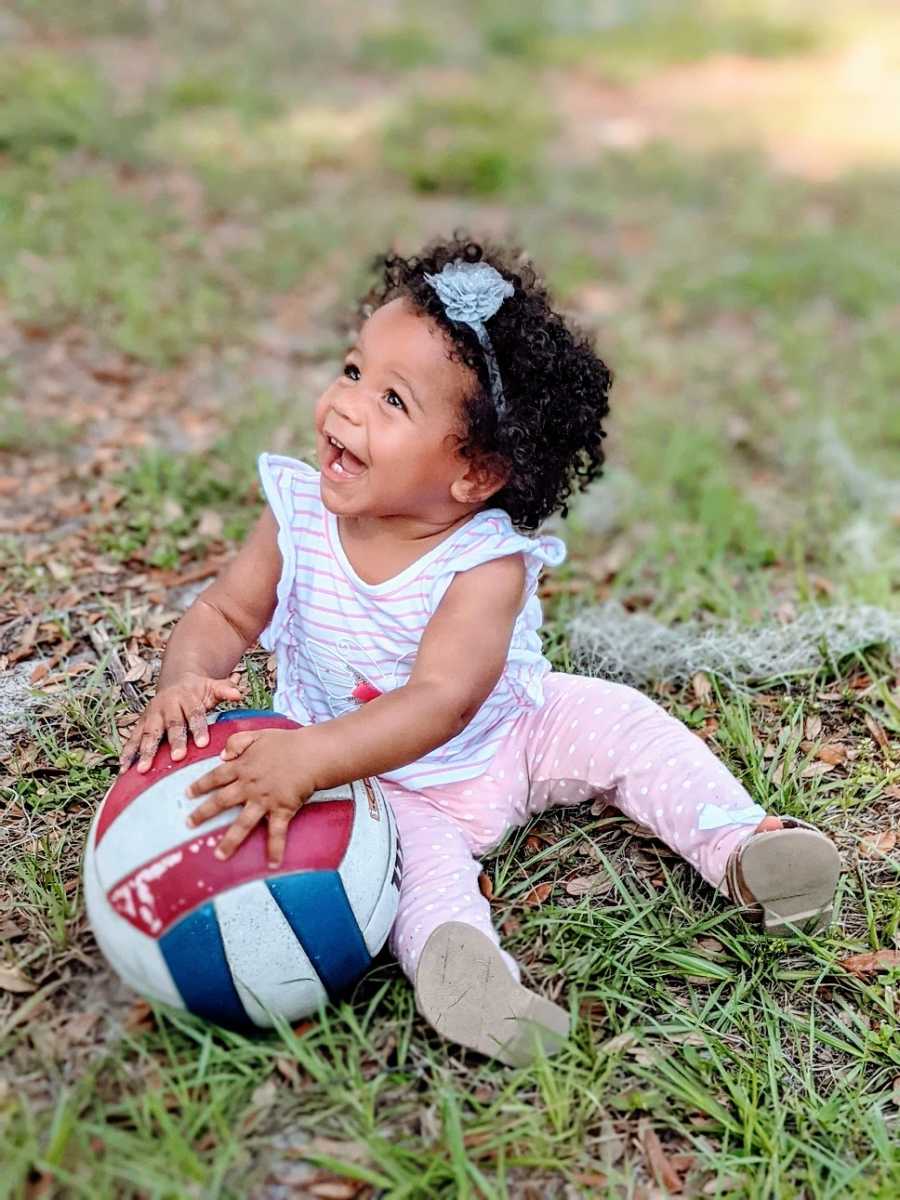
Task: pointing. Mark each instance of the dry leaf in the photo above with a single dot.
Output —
(12, 980)
(485, 885)
(332, 1187)
(140, 1017)
(537, 895)
(832, 752)
(589, 885)
(590, 1178)
(879, 735)
(813, 727)
(77, 1028)
(875, 960)
(878, 844)
(814, 769)
(210, 524)
(660, 1167)
(702, 687)
(289, 1069)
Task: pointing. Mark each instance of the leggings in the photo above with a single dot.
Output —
(589, 738)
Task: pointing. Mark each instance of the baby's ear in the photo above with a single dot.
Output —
(480, 479)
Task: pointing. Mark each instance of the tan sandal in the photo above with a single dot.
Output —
(466, 992)
(790, 874)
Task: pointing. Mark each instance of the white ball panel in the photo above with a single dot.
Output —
(368, 861)
(134, 956)
(269, 967)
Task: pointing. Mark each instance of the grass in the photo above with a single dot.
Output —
(223, 204)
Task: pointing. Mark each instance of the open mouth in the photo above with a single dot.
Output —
(341, 462)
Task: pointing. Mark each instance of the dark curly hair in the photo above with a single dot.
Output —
(556, 388)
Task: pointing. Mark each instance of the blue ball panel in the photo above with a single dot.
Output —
(317, 909)
(195, 956)
(237, 714)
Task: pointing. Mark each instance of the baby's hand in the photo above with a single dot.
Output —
(263, 770)
(173, 710)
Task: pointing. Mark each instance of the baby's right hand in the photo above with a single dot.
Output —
(173, 710)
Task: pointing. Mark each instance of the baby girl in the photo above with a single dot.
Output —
(397, 588)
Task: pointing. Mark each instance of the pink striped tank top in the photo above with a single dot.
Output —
(339, 641)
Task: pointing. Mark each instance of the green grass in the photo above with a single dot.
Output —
(626, 43)
(484, 141)
(750, 318)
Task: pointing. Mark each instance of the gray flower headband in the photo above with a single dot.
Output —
(471, 293)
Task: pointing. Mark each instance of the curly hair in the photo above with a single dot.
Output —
(556, 387)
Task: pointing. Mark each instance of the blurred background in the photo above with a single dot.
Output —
(190, 195)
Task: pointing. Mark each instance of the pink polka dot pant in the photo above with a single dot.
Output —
(589, 738)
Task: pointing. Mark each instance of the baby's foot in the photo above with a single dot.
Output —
(785, 875)
(465, 991)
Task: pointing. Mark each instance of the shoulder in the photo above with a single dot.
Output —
(489, 586)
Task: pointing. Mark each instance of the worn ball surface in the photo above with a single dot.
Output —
(237, 942)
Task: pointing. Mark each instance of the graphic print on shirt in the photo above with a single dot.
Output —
(345, 684)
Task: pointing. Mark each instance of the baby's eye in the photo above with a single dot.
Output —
(392, 396)
(351, 367)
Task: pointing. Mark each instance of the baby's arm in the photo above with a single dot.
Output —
(461, 656)
(205, 645)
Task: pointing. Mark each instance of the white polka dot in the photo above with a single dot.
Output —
(467, 792)
(572, 748)
(659, 812)
(501, 774)
(643, 791)
(633, 746)
(711, 784)
(679, 808)
(610, 753)
(591, 736)
(687, 783)
(663, 787)
(597, 711)
(429, 907)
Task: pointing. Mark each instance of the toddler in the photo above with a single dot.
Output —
(397, 587)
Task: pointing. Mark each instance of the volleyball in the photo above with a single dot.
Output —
(238, 942)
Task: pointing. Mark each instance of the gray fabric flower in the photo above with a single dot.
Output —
(471, 293)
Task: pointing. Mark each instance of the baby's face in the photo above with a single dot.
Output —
(387, 428)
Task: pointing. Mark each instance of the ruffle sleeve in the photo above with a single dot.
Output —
(291, 489)
(491, 535)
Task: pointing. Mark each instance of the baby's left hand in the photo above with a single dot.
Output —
(263, 770)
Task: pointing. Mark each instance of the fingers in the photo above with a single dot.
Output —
(227, 797)
(238, 743)
(150, 739)
(278, 827)
(224, 689)
(218, 778)
(199, 728)
(130, 749)
(240, 828)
